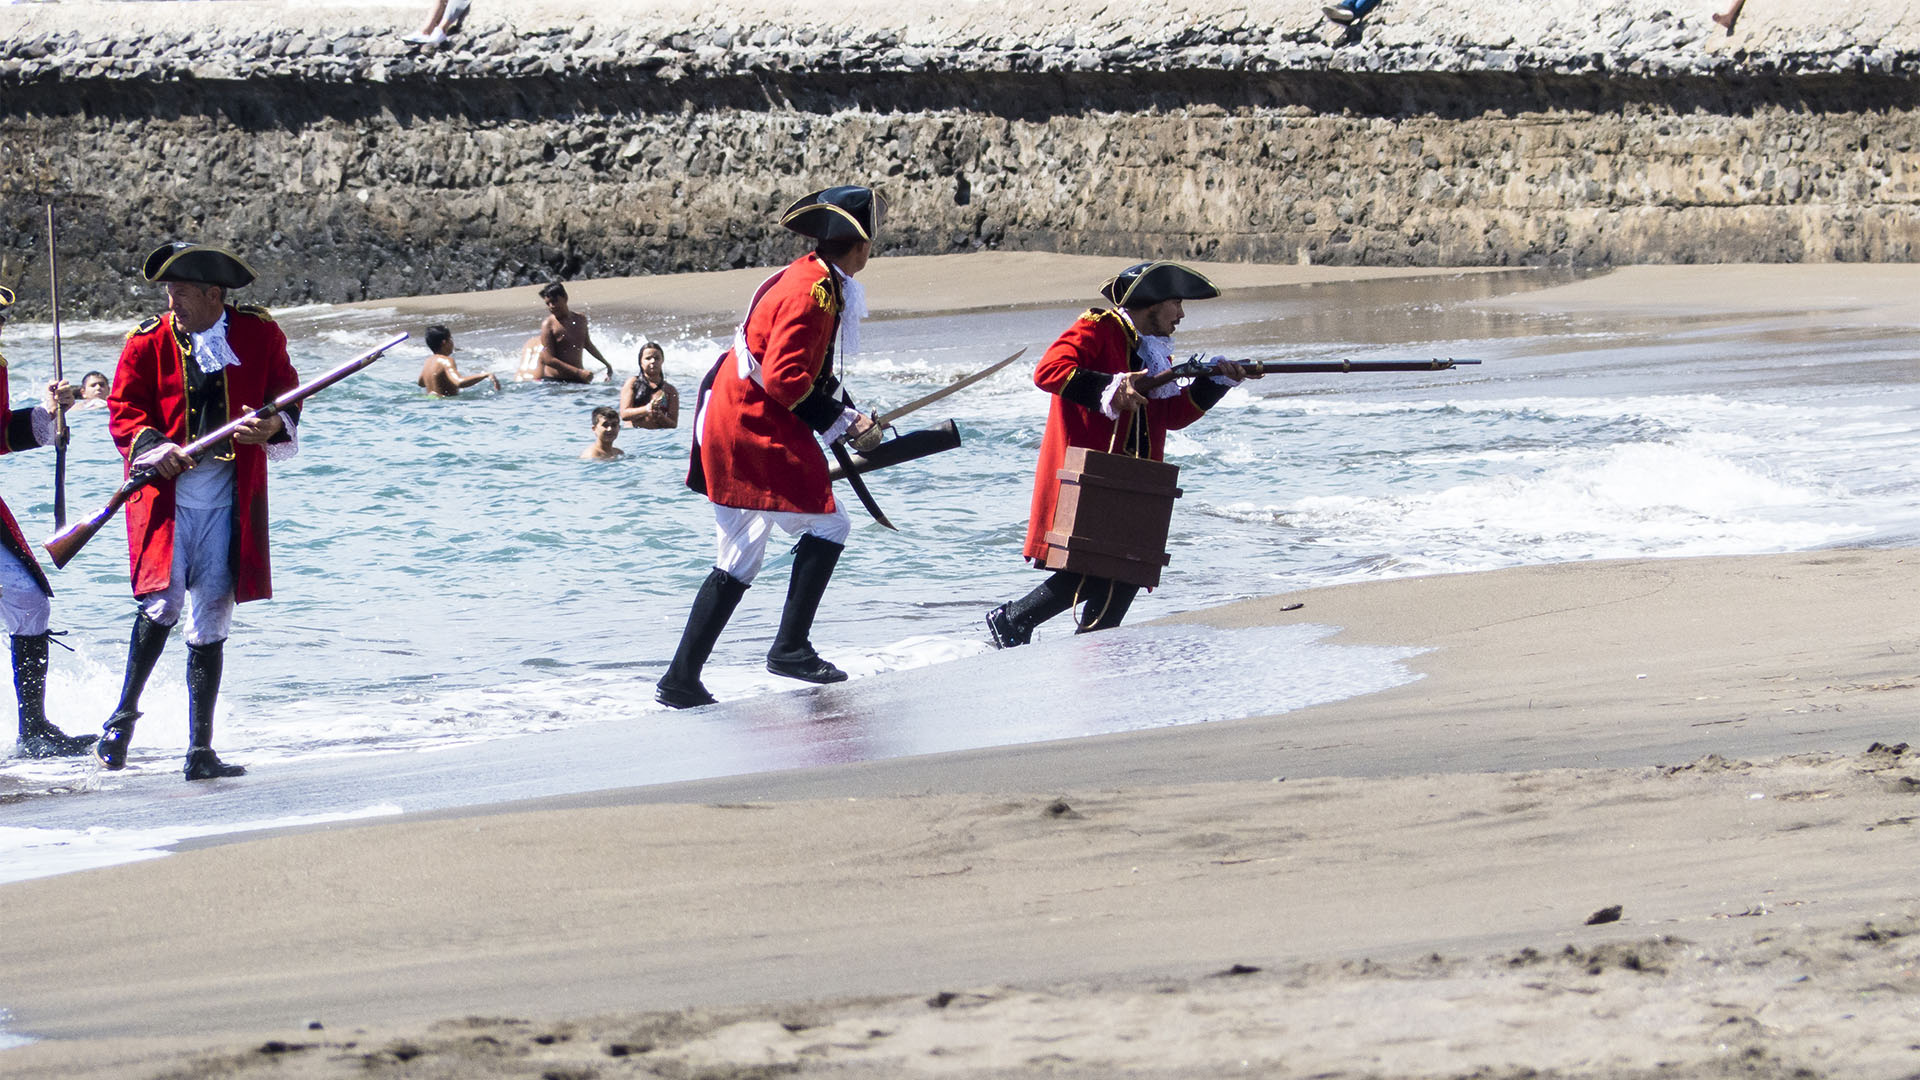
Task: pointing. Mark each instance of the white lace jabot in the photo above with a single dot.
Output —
(210, 348)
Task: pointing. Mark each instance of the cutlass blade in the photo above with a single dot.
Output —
(950, 388)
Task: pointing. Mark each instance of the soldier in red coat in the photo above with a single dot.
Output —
(198, 537)
(25, 596)
(1093, 372)
(760, 420)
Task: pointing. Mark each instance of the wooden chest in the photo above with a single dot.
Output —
(1112, 516)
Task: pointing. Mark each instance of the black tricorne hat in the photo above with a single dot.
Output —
(184, 261)
(837, 213)
(6, 300)
(1148, 283)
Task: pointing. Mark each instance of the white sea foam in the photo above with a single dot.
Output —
(37, 853)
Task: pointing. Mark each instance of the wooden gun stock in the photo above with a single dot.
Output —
(66, 543)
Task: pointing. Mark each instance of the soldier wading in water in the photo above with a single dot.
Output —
(198, 537)
(1092, 373)
(759, 421)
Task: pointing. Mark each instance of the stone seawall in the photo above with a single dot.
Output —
(347, 167)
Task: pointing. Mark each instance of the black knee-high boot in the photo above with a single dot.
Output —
(39, 739)
(149, 639)
(792, 654)
(1014, 622)
(204, 663)
(713, 605)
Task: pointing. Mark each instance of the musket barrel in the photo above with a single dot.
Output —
(1308, 367)
(60, 432)
(1193, 369)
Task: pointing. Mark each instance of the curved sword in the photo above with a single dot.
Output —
(951, 388)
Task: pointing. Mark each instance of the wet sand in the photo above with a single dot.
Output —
(1101, 906)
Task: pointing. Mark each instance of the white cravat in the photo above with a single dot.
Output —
(1157, 352)
(855, 295)
(210, 348)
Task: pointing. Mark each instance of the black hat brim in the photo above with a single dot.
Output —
(198, 264)
(1146, 284)
(6, 298)
(850, 212)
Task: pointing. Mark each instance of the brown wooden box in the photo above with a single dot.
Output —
(1112, 516)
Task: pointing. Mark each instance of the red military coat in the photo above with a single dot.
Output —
(751, 449)
(1100, 343)
(16, 433)
(150, 394)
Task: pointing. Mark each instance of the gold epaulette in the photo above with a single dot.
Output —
(152, 323)
(256, 311)
(823, 294)
(1094, 315)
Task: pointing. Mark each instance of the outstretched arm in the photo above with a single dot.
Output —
(595, 350)
(463, 381)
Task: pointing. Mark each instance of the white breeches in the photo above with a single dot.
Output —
(202, 581)
(25, 608)
(742, 534)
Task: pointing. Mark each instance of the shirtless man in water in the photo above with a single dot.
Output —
(439, 376)
(555, 354)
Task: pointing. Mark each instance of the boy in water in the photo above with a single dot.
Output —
(440, 376)
(554, 356)
(606, 428)
(94, 389)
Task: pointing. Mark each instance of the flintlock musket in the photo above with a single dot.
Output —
(1193, 369)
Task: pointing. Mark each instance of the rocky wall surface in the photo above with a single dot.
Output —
(346, 165)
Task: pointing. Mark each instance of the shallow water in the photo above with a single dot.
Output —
(448, 571)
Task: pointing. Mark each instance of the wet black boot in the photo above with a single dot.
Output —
(713, 605)
(792, 654)
(39, 739)
(203, 689)
(1014, 622)
(149, 639)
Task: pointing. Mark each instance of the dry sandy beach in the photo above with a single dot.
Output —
(1098, 908)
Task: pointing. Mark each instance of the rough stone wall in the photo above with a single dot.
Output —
(345, 171)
